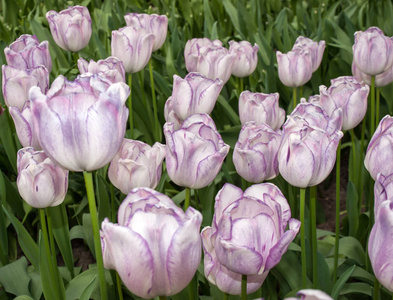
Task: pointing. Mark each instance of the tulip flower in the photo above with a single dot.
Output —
(194, 94)
(195, 152)
(70, 28)
(28, 53)
(16, 84)
(23, 120)
(155, 247)
(170, 115)
(316, 50)
(309, 294)
(246, 58)
(255, 154)
(156, 24)
(136, 164)
(110, 68)
(381, 80)
(348, 94)
(261, 108)
(380, 149)
(193, 50)
(41, 183)
(81, 124)
(247, 236)
(372, 51)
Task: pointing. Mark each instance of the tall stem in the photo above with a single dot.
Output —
(377, 107)
(313, 211)
(118, 283)
(187, 200)
(96, 233)
(361, 162)
(337, 237)
(294, 97)
(130, 106)
(244, 287)
(372, 122)
(157, 130)
(376, 289)
(354, 178)
(226, 296)
(162, 297)
(241, 85)
(303, 236)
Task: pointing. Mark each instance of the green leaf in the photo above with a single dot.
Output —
(356, 288)
(103, 200)
(88, 230)
(3, 226)
(80, 283)
(352, 209)
(341, 282)
(232, 115)
(289, 269)
(7, 129)
(232, 12)
(24, 297)
(47, 277)
(351, 248)
(89, 289)
(14, 278)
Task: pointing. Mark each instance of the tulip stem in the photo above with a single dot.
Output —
(361, 162)
(377, 108)
(118, 283)
(96, 233)
(294, 97)
(162, 297)
(337, 235)
(354, 172)
(313, 212)
(130, 106)
(372, 122)
(244, 287)
(187, 200)
(241, 85)
(157, 130)
(376, 289)
(303, 236)
(226, 296)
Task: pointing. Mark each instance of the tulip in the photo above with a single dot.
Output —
(133, 46)
(195, 152)
(70, 28)
(28, 53)
(24, 126)
(348, 94)
(155, 247)
(372, 51)
(380, 149)
(170, 115)
(156, 24)
(193, 50)
(110, 68)
(316, 50)
(381, 80)
(247, 236)
(383, 189)
(295, 67)
(246, 58)
(16, 84)
(261, 108)
(309, 294)
(81, 124)
(136, 164)
(255, 154)
(194, 94)
(41, 183)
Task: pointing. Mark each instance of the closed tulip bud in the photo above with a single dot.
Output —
(81, 124)
(348, 94)
(372, 51)
(155, 247)
(379, 150)
(316, 49)
(381, 80)
(70, 28)
(309, 294)
(170, 115)
(136, 164)
(23, 120)
(247, 236)
(261, 108)
(193, 50)
(246, 58)
(28, 53)
(110, 68)
(195, 152)
(255, 153)
(133, 46)
(194, 94)
(156, 24)
(16, 84)
(41, 183)
(295, 67)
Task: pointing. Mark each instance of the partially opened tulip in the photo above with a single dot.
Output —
(246, 58)
(81, 124)
(41, 183)
(70, 28)
(111, 68)
(261, 108)
(193, 50)
(28, 53)
(295, 67)
(155, 247)
(136, 164)
(316, 49)
(195, 152)
(156, 24)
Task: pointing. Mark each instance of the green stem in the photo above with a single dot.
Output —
(96, 233)
(241, 85)
(301, 92)
(372, 122)
(162, 297)
(118, 283)
(76, 57)
(337, 236)
(376, 289)
(303, 236)
(294, 97)
(113, 210)
(187, 200)
(361, 162)
(354, 178)
(191, 289)
(157, 129)
(377, 108)
(130, 106)
(226, 296)
(244, 287)
(313, 212)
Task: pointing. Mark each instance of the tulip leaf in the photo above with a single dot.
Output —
(24, 297)
(81, 283)
(289, 268)
(233, 15)
(351, 248)
(352, 209)
(341, 282)
(323, 274)
(14, 278)
(3, 225)
(89, 289)
(229, 111)
(88, 229)
(103, 200)
(47, 277)
(357, 288)
(7, 139)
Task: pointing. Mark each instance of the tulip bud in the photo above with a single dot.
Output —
(316, 49)
(255, 154)
(136, 164)
(193, 50)
(41, 183)
(28, 53)
(261, 108)
(246, 58)
(195, 152)
(155, 24)
(110, 68)
(70, 28)
(295, 67)
(155, 247)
